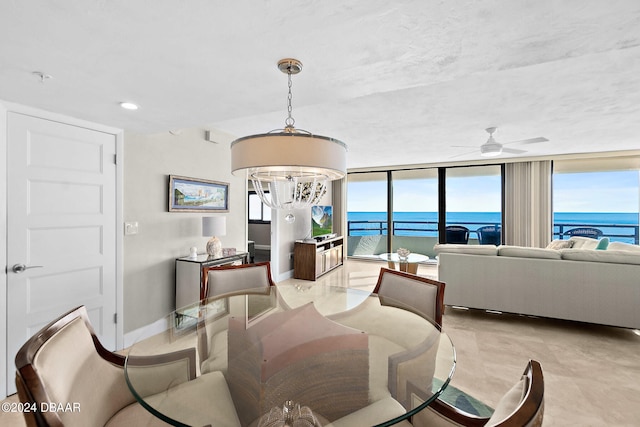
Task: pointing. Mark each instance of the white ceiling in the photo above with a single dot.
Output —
(400, 82)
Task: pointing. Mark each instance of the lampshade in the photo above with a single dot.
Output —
(289, 168)
(214, 226)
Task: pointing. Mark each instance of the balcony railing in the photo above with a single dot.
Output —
(616, 232)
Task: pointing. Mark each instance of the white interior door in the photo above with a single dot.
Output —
(61, 238)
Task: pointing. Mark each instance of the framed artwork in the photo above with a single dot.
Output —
(197, 195)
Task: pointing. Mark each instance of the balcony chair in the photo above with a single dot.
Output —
(489, 235)
(522, 406)
(228, 280)
(420, 295)
(65, 363)
(594, 233)
(456, 234)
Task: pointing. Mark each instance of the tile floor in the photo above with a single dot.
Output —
(592, 372)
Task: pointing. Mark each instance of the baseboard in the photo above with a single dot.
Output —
(147, 331)
(284, 276)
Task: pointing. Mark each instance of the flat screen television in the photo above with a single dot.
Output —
(321, 220)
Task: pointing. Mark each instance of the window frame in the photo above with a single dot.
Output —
(262, 209)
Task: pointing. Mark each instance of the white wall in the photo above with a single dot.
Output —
(149, 256)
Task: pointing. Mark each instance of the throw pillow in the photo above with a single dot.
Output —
(602, 244)
(560, 244)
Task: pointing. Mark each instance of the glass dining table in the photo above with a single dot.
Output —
(290, 355)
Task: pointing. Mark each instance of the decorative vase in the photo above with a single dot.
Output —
(403, 253)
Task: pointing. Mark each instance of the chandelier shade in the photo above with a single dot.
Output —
(289, 168)
(281, 155)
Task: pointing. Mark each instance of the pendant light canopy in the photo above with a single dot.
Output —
(289, 168)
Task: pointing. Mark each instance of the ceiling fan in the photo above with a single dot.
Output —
(492, 148)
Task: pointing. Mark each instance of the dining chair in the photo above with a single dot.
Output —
(489, 235)
(418, 294)
(222, 281)
(521, 406)
(456, 234)
(227, 279)
(65, 363)
(594, 233)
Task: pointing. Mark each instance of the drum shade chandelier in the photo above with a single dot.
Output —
(290, 168)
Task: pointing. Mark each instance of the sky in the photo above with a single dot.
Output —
(617, 191)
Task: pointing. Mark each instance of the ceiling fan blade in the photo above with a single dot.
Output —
(463, 146)
(513, 151)
(528, 141)
(463, 154)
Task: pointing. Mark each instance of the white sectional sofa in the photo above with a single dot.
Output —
(574, 283)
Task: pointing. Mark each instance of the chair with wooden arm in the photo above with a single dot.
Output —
(521, 406)
(418, 294)
(65, 364)
(228, 280)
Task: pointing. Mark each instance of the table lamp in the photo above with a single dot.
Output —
(214, 226)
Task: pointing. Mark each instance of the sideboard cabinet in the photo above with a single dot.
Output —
(313, 259)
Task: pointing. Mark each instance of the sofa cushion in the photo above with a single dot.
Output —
(523, 252)
(466, 249)
(608, 256)
(580, 242)
(620, 246)
(560, 244)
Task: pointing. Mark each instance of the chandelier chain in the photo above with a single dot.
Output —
(290, 121)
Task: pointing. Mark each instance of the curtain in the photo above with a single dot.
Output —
(528, 212)
(338, 200)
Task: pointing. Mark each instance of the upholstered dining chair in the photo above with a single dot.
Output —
(521, 406)
(228, 279)
(456, 234)
(418, 294)
(65, 363)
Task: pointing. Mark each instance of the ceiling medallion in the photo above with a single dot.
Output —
(290, 168)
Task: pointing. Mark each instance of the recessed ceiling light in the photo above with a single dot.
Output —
(128, 105)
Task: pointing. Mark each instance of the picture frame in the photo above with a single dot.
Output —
(197, 195)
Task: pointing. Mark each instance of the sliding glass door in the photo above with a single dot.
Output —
(415, 210)
(367, 214)
(597, 198)
(474, 205)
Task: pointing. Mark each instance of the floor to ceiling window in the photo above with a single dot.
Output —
(367, 216)
(599, 198)
(403, 208)
(415, 210)
(474, 204)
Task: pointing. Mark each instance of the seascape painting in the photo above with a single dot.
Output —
(197, 195)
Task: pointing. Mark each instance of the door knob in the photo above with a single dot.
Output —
(19, 268)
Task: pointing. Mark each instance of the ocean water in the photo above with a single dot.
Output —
(617, 226)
